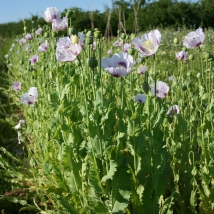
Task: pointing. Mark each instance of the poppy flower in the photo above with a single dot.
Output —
(161, 89)
(148, 44)
(60, 24)
(174, 109)
(17, 86)
(194, 39)
(141, 98)
(142, 69)
(118, 65)
(51, 13)
(182, 55)
(31, 97)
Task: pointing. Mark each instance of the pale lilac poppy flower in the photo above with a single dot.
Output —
(81, 38)
(126, 47)
(31, 97)
(170, 78)
(21, 122)
(142, 69)
(118, 43)
(109, 52)
(194, 39)
(148, 44)
(17, 86)
(34, 59)
(39, 31)
(22, 41)
(66, 51)
(118, 65)
(43, 47)
(29, 36)
(51, 13)
(60, 24)
(174, 109)
(161, 89)
(19, 137)
(141, 98)
(182, 55)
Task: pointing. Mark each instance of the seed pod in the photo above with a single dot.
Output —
(123, 35)
(176, 41)
(89, 40)
(131, 51)
(92, 62)
(71, 31)
(97, 34)
(191, 57)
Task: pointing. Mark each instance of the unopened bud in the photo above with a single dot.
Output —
(89, 40)
(133, 36)
(119, 31)
(25, 28)
(123, 35)
(198, 75)
(146, 87)
(46, 34)
(68, 13)
(97, 34)
(184, 49)
(131, 51)
(89, 33)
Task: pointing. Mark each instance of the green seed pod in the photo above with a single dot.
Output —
(25, 28)
(97, 34)
(118, 31)
(206, 56)
(92, 62)
(184, 88)
(198, 75)
(191, 57)
(176, 41)
(146, 87)
(71, 30)
(131, 51)
(53, 33)
(184, 49)
(123, 35)
(46, 34)
(133, 36)
(21, 62)
(89, 40)
(127, 36)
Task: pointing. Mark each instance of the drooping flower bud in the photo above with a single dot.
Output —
(97, 34)
(89, 33)
(89, 40)
(68, 13)
(92, 62)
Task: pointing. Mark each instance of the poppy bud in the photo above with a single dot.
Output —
(184, 49)
(97, 34)
(184, 88)
(123, 35)
(127, 36)
(176, 41)
(118, 32)
(46, 34)
(198, 75)
(68, 13)
(92, 62)
(89, 40)
(21, 62)
(131, 51)
(89, 33)
(25, 28)
(133, 36)
(206, 56)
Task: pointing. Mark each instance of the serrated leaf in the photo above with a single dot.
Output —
(111, 172)
(140, 190)
(119, 207)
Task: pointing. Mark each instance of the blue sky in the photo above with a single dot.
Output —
(16, 10)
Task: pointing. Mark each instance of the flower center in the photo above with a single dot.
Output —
(148, 45)
(121, 64)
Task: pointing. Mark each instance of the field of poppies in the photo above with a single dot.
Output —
(119, 126)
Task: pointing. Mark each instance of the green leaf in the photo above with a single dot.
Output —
(111, 172)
